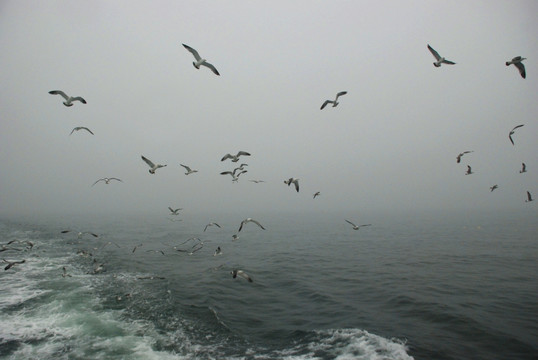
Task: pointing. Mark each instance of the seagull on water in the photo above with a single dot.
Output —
(517, 61)
(189, 170)
(236, 272)
(247, 220)
(235, 158)
(10, 264)
(211, 224)
(458, 158)
(493, 187)
(81, 128)
(65, 274)
(512, 133)
(357, 227)
(107, 180)
(294, 182)
(235, 237)
(199, 61)
(335, 101)
(68, 99)
(439, 59)
(523, 168)
(218, 251)
(529, 197)
(469, 171)
(317, 194)
(152, 166)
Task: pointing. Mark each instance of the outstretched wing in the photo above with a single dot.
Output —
(193, 52)
(517, 127)
(449, 62)
(78, 98)
(186, 167)
(340, 94)
(257, 223)
(227, 156)
(215, 71)
(98, 181)
(521, 69)
(434, 53)
(243, 153)
(148, 161)
(325, 104)
(59, 92)
(350, 223)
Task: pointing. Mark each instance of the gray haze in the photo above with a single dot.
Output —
(390, 144)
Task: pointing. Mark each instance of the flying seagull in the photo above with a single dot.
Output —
(235, 237)
(523, 168)
(65, 274)
(218, 251)
(439, 58)
(257, 181)
(107, 180)
(317, 194)
(469, 172)
(199, 61)
(357, 227)
(211, 224)
(517, 61)
(235, 178)
(458, 158)
(136, 247)
(247, 220)
(174, 211)
(335, 101)
(294, 182)
(68, 99)
(529, 197)
(189, 170)
(236, 272)
(81, 233)
(493, 187)
(235, 158)
(81, 128)
(512, 133)
(152, 166)
(10, 264)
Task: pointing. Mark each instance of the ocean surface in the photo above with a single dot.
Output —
(410, 286)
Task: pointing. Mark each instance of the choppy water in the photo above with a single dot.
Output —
(419, 287)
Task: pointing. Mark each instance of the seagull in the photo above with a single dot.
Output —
(355, 227)
(458, 158)
(152, 166)
(512, 133)
(65, 274)
(235, 178)
(189, 170)
(440, 60)
(68, 99)
(529, 197)
(257, 181)
(335, 101)
(241, 273)
(110, 243)
(517, 61)
(98, 267)
(81, 233)
(81, 128)
(469, 172)
(494, 187)
(10, 264)
(199, 61)
(235, 158)
(174, 211)
(294, 182)
(156, 251)
(317, 194)
(211, 224)
(235, 237)
(218, 251)
(523, 168)
(29, 244)
(150, 277)
(247, 220)
(5, 248)
(136, 247)
(107, 180)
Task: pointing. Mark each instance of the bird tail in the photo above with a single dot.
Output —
(436, 65)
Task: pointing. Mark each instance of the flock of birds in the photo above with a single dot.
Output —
(194, 244)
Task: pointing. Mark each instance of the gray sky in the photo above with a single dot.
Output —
(390, 144)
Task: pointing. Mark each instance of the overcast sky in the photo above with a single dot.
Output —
(390, 144)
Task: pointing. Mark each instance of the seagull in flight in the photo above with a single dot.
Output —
(237, 272)
(10, 264)
(523, 168)
(469, 171)
(235, 158)
(517, 61)
(335, 101)
(294, 182)
(317, 194)
(211, 224)
(529, 197)
(218, 251)
(257, 181)
(235, 237)
(247, 220)
(65, 274)
(107, 180)
(458, 158)
(357, 227)
(68, 99)
(136, 247)
(199, 61)
(81, 233)
(81, 128)
(189, 170)
(174, 211)
(512, 133)
(152, 166)
(493, 187)
(439, 59)
(235, 178)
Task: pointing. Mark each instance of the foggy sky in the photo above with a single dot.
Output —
(390, 144)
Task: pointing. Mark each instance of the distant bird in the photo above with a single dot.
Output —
(107, 180)
(493, 187)
(512, 133)
(211, 224)
(235, 158)
(247, 220)
(152, 166)
(218, 251)
(150, 277)
(335, 101)
(235, 178)
(68, 99)
(529, 197)
(189, 170)
(237, 272)
(5, 248)
(293, 181)
(10, 264)
(235, 237)
(458, 158)
(98, 267)
(257, 181)
(65, 274)
(174, 211)
(81, 233)
(317, 194)
(136, 247)
(110, 243)
(523, 168)
(81, 128)
(199, 61)
(29, 244)
(517, 61)
(357, 227)
(439, 59)
(469, 171)
(156, 251)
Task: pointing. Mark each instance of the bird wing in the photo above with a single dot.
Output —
(215, 71)
(257, 223)
(296, 183)
(517, 127)
(434, 53)
(98, 181)
(521, 69)
(325, 104)
(529, 197)
(78, 98)
(207, 227)
(113, 178)
(350, 223)
(148, 161)
(523, 166)
(243, 153)
(227, 156)
(84, 128)
(226, 173)
(510, 137)
(365, 225)
(340, 94)
(244, 275)
(186, 167)
(241, 226)
(59, 92)
(193, 52)
(448, 62)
